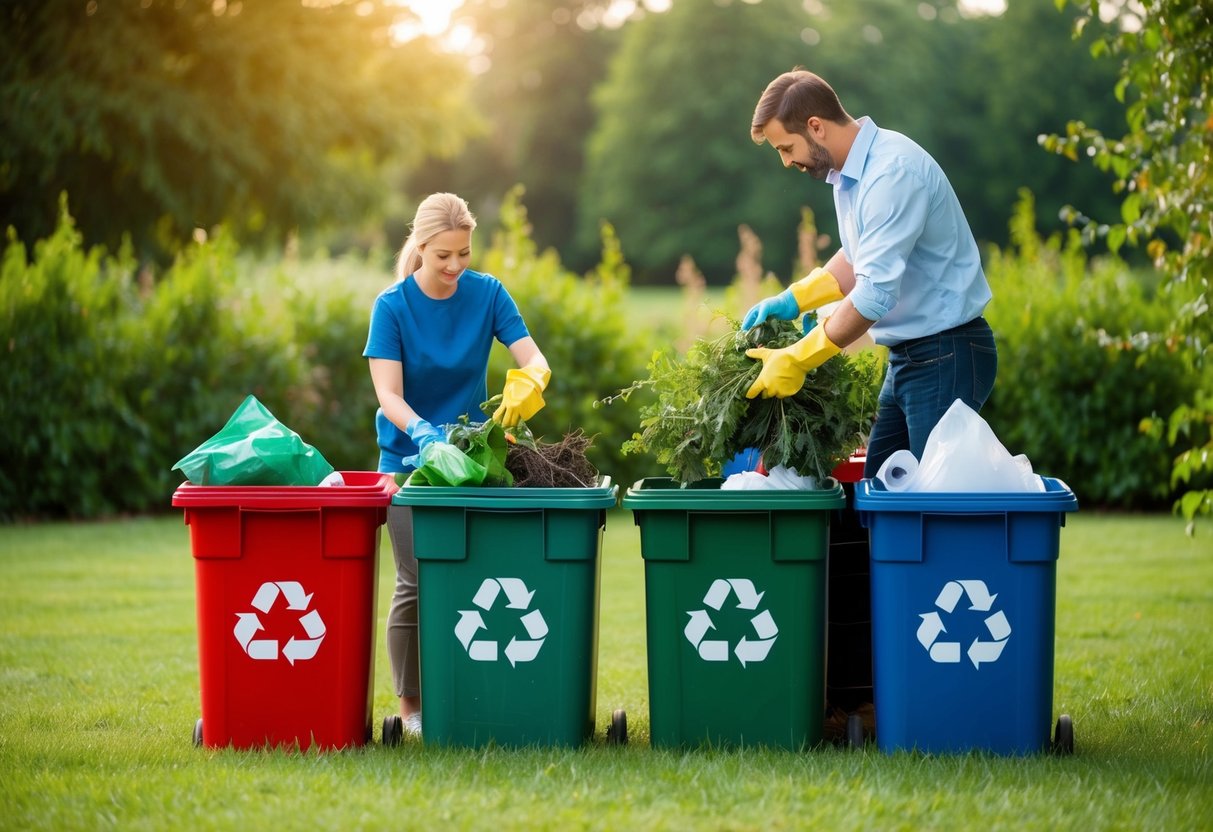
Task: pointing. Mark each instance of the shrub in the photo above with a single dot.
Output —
(332, 402)
(63, 356)
(206, 339)
(110, 378)
(1077, 372)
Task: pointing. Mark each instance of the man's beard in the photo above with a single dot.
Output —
(820, 164)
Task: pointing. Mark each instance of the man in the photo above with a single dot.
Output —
(908, 270)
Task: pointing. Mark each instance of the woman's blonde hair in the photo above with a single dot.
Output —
(436, 213)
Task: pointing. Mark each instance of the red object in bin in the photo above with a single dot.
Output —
(286, 587)
(849, 471)
(852, 469)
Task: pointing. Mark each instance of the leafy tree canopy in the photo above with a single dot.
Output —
(670, 162)
(161, 116)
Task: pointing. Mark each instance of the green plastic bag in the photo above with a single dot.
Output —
(485, 443)
(254, 448)
(446, 465)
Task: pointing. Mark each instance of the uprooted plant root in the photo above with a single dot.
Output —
(561, 464)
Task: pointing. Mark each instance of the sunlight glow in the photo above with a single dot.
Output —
(434, 20)
(977, 8)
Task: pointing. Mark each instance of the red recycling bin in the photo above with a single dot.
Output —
(286, 587)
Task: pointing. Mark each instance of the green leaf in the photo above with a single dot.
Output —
(1131, 209)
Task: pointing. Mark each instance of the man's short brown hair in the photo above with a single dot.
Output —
(793, 98)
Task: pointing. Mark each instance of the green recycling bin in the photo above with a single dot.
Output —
(508, 611)
(735, 608)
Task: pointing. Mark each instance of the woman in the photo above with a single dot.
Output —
(428, 347)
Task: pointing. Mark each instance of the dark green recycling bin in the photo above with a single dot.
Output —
(508, 611)
(735, 608)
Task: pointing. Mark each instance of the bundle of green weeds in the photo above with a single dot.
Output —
(702, 418)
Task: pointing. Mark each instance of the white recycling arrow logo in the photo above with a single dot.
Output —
(980, 600)
(518, 597)
(248, 624)
(717, 650)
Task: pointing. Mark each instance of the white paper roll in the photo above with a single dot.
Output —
(898, 471)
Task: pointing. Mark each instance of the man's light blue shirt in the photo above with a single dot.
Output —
(917, 267)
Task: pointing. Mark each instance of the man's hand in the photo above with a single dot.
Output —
(784, 370)
(805, 295)
(782, 306)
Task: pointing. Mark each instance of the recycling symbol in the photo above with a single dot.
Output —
(295, 649)
(717, 650)
(980, 600)
(518, 597)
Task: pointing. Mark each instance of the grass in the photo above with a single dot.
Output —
(99, 693)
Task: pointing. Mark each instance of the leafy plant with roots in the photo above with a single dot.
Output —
(701, 418)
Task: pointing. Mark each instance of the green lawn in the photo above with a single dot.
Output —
(99, 694)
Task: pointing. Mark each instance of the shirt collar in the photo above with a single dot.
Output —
(857, 156)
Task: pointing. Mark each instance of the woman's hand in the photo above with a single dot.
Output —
(522, 396)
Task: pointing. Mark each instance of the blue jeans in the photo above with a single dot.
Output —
(923, 377)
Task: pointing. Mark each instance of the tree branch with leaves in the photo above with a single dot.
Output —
(1163, 168)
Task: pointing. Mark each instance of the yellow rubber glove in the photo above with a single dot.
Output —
(819, 288)
(522, 397)
(783, 370)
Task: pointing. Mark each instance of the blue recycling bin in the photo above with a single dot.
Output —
(963, 596)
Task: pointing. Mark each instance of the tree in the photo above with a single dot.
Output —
(534, 101)
(1019, 75)
(1162, 168)
(160, 116)
(670, 162)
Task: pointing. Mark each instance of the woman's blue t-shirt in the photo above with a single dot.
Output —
(443, 346)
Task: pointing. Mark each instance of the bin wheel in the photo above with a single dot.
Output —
(393, 729)
(855, 737)
(198, 733)
(1063, 736)
(617, 731)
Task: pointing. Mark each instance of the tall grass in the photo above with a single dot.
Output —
(99, 693)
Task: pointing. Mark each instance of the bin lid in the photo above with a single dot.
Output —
(600, 496)
(871, 495)
(706, 495)
(362, 488)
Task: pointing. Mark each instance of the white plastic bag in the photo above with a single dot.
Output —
(779, 477)
(962, 455)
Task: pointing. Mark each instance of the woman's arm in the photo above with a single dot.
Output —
(526, 353)
(388, 378)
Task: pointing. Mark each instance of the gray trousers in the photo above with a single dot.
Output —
(402, 617)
